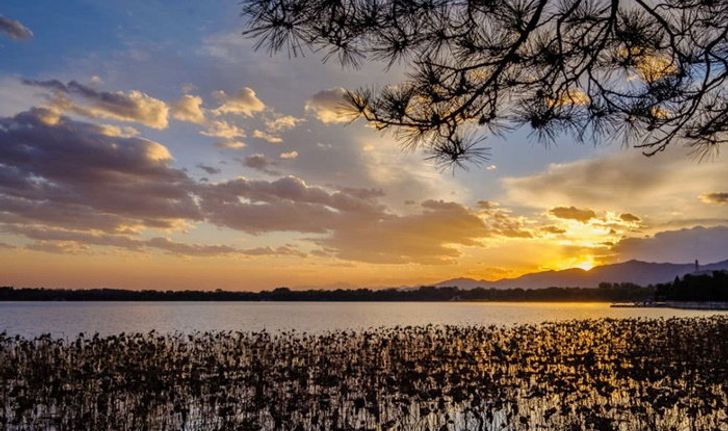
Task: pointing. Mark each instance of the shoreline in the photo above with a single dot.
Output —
(681, 305)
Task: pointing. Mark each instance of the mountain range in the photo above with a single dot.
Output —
(633, 271)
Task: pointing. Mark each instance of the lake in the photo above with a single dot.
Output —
(68, 319)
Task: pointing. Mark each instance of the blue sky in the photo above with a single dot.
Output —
(387, 217)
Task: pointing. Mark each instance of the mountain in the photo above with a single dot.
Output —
(633, 271)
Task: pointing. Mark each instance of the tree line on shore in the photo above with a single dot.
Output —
(607, 292)
(692, 287)
(695, 287)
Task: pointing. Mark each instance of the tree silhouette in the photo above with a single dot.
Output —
(650, 72)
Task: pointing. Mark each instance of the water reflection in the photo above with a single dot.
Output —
(67, 319)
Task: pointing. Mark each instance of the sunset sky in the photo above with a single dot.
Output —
(146, 144)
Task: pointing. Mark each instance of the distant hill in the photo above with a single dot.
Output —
(633, 271)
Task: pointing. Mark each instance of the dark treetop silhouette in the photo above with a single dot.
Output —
(652, 72)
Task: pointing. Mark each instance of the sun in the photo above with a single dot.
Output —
(586, 264)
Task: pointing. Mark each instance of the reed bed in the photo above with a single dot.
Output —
(575, 375)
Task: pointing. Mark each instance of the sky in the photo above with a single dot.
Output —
(147, 144)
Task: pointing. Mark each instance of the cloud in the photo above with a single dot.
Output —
(715, 198)
(61, 172)
(500, 222)
(573, 213)
(14, 29)
(629, 218)
(685, 245)
(124, 132)
(210, 170)
(289, 155)
(17, 97)
(555, 230)
(329, 106)
(283, 123)
(57, 247)
(619, 179)
(267, 137)
(70, 185)
(284, 250)
(70, 241)
(245, 102)
(223, 129)
(231, 145)
(260, 163)
(487, 205)
(131, 106)
(428, 237)
(189, 108)
(625, 182)
(189, 249)
(286, 204)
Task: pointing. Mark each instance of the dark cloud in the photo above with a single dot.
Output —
(630, 218)
(57, 247)
(553, 230)
(261, 163)
(680, 246)
(284, 250)
(131, 106)
(210, 170)
(487, 205)
(715, 198)
(573, 213)
(189, 249)
(68, 173)
(352, 223)
(68, 241)
(14, 29)
(69, 185)
(286, 204)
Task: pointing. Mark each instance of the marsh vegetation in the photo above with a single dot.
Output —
(631, 374)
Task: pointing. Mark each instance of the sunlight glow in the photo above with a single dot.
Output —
(586, 265)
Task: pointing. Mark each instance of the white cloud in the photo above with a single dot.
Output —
(189, 108)
(329, 106)
(223, 129)
(267, 137)
(245, 102)
(231, 145)
(83, 100)
(283, 123)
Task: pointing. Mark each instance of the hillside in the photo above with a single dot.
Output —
(633, 271)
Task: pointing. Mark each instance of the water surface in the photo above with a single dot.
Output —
(67, 319)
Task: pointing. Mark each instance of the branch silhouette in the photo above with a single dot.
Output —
(648, 72)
